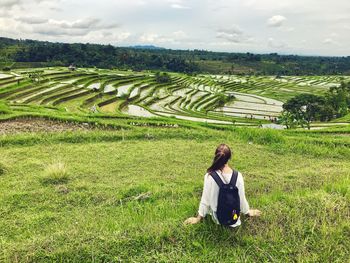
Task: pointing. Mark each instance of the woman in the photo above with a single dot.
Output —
(209, 200)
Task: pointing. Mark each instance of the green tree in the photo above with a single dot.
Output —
(36, 76)
(288, 119)
(339, 99)
(305, 107)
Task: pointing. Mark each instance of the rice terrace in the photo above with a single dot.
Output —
(173, 131)
(219, 99)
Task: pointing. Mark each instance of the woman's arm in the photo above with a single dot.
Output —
(193, 220)
(245, 209)
(254, 212)
(204, 203)
(241, 191)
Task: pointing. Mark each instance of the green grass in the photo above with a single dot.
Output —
(346, 118)
(123, 195)
(4, 108)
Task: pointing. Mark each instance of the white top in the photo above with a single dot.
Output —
(209, 200)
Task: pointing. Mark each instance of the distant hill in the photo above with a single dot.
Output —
(150, 47)
(32, 53)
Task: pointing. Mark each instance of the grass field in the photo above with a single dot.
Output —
(93, 197)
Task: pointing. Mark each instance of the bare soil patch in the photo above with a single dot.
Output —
(39, 125)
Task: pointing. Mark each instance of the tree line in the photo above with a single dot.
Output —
(185, 61)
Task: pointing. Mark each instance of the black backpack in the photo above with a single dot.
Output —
(228, 209)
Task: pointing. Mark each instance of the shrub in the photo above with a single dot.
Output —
(124, 96)
(162, 77)
(56, 173)
(6, 68)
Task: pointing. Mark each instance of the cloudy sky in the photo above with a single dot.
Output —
(308, 27)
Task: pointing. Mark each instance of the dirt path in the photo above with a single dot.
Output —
(39, 125)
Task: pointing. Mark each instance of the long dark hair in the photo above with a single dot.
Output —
(222, 156)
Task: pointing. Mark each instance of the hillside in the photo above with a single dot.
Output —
(31, 53)
(123, 97)
(105, 165)
(107, 204)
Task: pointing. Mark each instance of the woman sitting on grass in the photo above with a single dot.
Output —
(209, 200)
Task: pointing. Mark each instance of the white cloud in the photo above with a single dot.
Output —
(173, 38)
(107, 36)
(14, 3)
(179, 34)
(234, 38)
(276, 44)
(52, 27)
(276, 21)
(234, 34)
(233, 30)
(334, 34)
(178, 4)
(32, 19)
(77, 24)
(149, 38)
(330, 41)
(123, 36)
(10, 3)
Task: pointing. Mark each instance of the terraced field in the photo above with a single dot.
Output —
(243, 100)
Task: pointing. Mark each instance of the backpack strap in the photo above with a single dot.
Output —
(217, 178)
(234, 178)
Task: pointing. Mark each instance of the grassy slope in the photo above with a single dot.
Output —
(346, 118)
(301, 185)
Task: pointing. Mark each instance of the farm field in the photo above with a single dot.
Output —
(249, 100)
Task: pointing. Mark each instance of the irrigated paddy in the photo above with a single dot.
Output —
(252, 100)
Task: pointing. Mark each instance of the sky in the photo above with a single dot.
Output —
(303, 27)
